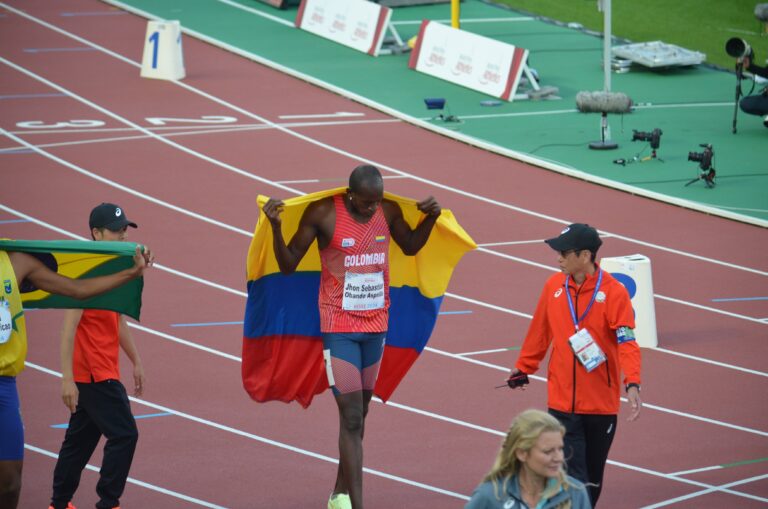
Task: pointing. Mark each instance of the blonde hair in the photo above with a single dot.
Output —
(522, 436)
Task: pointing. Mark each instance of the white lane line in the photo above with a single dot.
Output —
(271, 442)
(722, 488)
(698, 470)
(434, 350)
(483, 352)
(572, 111)
(511, 243)
(710, 361)
(338, 114)
(131, 480)
(208, 128)
(317, 181)
(467, 20)
(744, 208)
(186, 131)
(397, 114)
(257, 12)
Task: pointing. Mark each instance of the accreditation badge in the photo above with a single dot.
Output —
(586, 350)
(6, 321)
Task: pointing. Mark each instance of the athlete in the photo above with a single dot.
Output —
(353, 231)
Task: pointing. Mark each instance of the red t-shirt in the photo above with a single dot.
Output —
(97, 347)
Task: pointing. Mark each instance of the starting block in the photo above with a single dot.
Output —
(634, 272)
(163, 57)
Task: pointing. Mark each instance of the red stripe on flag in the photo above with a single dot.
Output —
(395, 363)
(284, 368)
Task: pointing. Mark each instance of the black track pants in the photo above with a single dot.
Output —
(588, 439)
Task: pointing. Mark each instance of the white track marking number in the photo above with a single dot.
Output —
(39, 124)
(206, 119)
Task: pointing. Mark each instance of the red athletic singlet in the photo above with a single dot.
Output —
(354, 280)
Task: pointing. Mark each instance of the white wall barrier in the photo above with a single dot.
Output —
(358, 24)
(163, 57)
(634, 272)
(467, 59)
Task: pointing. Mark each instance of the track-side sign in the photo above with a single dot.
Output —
(467, 59)
(358, 24)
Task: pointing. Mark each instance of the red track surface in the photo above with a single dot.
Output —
(210, 448)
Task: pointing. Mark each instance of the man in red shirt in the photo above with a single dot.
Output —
(91, 388)
(352, 230)
(587, 317)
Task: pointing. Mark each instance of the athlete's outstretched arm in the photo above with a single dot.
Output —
(411, 241)
(289, 255)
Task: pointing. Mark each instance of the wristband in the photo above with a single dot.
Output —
(636, 386)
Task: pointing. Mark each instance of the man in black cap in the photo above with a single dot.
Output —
(587, 317)
(90, 345)
(108, 217)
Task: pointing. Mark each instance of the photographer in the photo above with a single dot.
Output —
(755, 104)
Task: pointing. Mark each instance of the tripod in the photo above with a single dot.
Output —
(708, 176)
(648, 158)
(638, 159)
(739, 77)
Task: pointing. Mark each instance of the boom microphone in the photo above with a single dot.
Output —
(603, 102)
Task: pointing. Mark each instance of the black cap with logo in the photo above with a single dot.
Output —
(109, 216)
(576, 237)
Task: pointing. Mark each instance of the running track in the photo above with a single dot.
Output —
(702, 440)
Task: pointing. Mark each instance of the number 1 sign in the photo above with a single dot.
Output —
(163, 58)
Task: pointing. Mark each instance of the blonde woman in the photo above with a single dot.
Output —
(528, 471)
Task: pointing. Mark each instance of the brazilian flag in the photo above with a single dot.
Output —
(81, 259)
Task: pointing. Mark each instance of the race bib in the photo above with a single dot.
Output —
(6, 322)
(586, 350)
(363, 292)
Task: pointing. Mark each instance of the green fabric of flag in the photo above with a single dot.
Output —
(81, 259)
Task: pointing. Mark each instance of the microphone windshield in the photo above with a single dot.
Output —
(603, 102)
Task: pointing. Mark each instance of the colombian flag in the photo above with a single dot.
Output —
(282, 345)
(79, 259)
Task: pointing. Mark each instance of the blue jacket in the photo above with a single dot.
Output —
(484, 497)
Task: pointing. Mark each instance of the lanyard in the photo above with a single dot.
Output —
(591, 301)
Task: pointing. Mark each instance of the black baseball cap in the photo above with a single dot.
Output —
(576, 237)
(109, 216)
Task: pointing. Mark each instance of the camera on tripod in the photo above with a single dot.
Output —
(653, 137)
(705, 158)
(739, 49)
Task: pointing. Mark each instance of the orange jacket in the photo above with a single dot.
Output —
(570, 387)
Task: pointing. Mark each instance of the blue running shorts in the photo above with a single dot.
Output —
(11, 427)
(352, 360)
